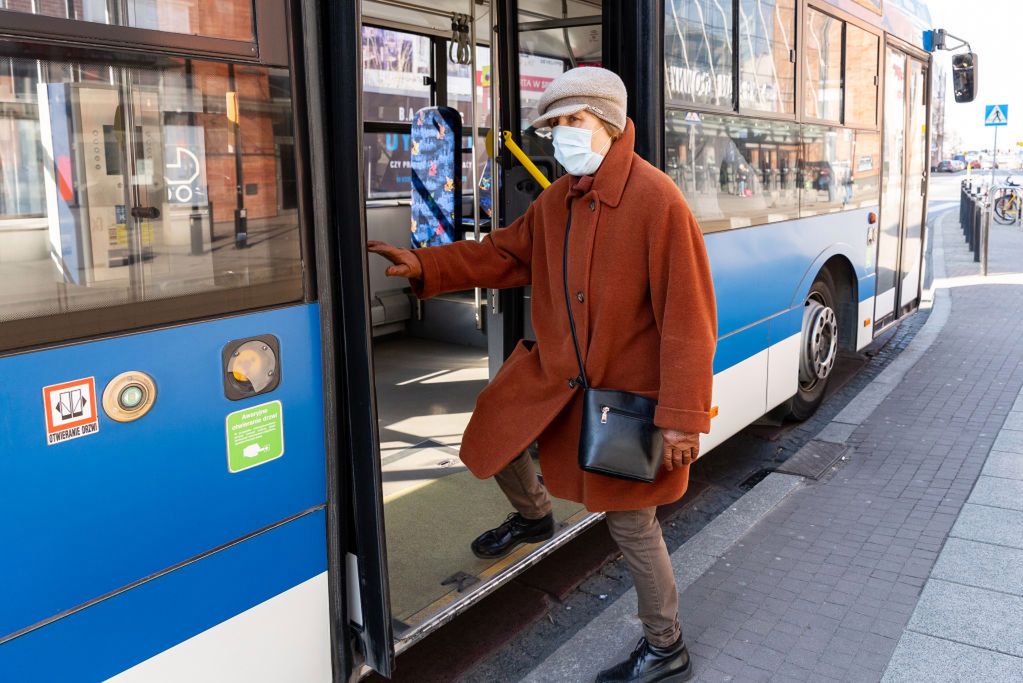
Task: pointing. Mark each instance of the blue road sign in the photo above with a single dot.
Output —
(996, 115)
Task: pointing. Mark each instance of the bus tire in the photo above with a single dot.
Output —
(818, 347)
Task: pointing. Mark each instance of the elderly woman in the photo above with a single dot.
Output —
(614, 240)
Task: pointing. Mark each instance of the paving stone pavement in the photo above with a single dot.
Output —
(825, 585)
(838, 575)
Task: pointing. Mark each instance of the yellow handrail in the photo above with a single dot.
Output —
(517, 152)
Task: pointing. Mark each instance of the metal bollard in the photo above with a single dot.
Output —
(985, 234)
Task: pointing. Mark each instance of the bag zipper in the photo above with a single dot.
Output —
(604, 410)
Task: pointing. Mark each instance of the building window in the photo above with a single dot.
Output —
(823, 65)
(698, 53)
(860, 77)
(767, 41)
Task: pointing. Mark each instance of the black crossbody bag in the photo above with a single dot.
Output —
(618, 437)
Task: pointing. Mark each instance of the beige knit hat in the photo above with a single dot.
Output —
(598, 91)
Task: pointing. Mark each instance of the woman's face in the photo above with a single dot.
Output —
(586, 120)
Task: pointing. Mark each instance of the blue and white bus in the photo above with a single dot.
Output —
(228, 443)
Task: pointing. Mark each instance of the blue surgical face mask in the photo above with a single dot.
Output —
(573, 148)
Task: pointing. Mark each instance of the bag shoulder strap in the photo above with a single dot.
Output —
(581, 379)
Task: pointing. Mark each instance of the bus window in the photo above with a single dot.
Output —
(826, 171)
(823, 66)
(734, 172)
(698, 53)
(128, 185)
(460, 86)
(860, 77)
(546, 51)
(229, 19)
(767, 41)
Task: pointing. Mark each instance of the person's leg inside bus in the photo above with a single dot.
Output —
(533, 519)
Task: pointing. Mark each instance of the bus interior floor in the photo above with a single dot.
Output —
(433, 506)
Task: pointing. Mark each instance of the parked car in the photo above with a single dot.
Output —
(946, 166)
(975, 163)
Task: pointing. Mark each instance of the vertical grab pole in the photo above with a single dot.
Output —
(984, 234)
(477, 292)
(495, 127)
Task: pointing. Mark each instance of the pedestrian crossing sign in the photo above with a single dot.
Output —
(996, 115)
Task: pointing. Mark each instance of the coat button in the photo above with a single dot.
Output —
(579, 295)
(593, 205)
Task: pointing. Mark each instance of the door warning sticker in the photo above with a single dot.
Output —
(70, 410)
(254, 436)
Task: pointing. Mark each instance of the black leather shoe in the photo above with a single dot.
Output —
(516, 530)
(649, 663)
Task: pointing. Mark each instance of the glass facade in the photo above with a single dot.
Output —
(120, 185)
(227, 19)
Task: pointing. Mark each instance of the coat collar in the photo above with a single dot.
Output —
(608, 183)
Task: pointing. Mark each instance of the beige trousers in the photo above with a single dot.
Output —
(638, 535)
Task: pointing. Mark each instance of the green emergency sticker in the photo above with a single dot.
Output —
(254, 436)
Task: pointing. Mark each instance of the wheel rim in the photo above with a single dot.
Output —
(820, 343)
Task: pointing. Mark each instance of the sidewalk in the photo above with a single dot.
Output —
(905, 560)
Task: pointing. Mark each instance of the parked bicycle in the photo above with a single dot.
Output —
(1008, 201)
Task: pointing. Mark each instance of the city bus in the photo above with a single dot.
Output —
(230, 443)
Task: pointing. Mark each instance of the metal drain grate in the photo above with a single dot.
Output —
(755, 478)
(813, 459)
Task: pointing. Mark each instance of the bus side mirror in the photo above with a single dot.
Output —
(964, 76)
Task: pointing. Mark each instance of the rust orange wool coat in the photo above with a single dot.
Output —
(643, 300)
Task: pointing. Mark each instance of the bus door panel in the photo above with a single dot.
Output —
(892, 187)
(916, 174)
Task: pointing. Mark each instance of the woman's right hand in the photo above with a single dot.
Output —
(405, 262)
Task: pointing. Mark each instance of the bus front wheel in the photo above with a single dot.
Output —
(818, 347)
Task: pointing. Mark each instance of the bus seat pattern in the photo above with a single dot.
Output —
(436, 152)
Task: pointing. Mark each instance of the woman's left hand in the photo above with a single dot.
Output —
(680, 448)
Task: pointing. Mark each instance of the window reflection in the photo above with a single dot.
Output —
(698, 52)
(228, 19)
(123, 185)
(767, 39)
(840, 171)
(823, 50)
(737, 172)
(861, 77)
(734, 172)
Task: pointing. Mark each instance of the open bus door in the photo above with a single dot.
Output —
(409, 370)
